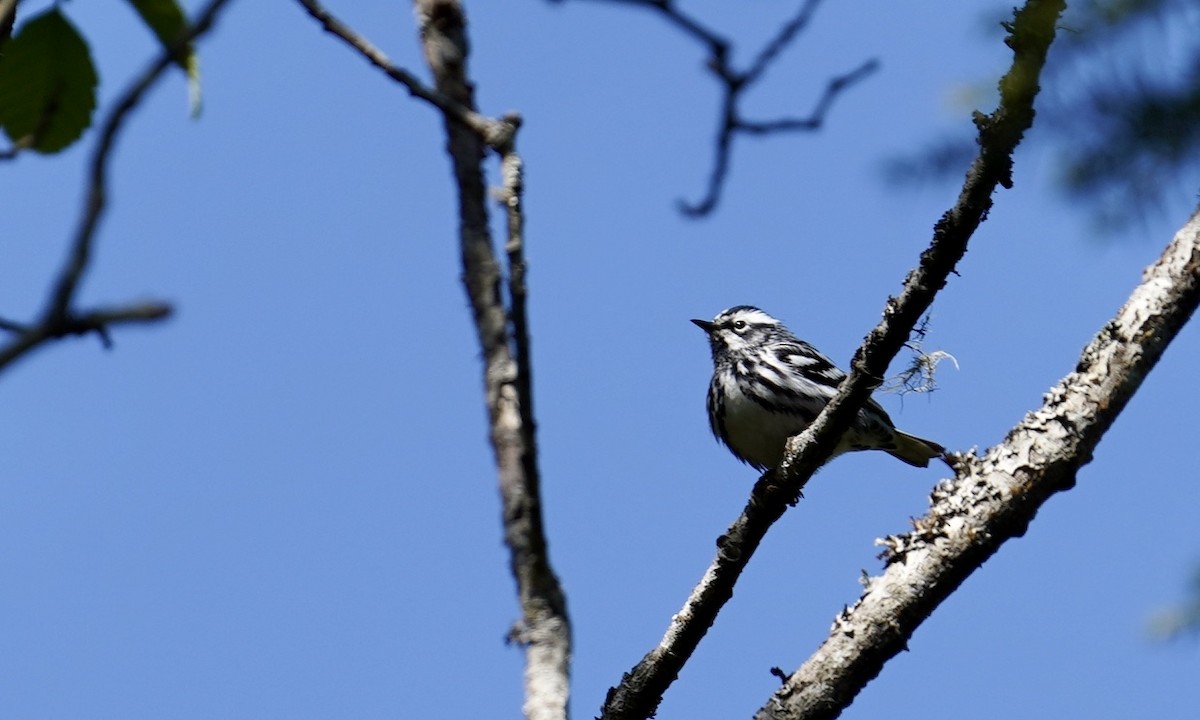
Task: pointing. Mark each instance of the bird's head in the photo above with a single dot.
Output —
(740, 329)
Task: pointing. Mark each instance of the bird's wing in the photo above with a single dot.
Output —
(807, 361)
(818, 373)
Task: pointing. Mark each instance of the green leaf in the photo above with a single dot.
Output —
(166, 20)
(47, 84)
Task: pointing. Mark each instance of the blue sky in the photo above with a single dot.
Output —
(281, 504)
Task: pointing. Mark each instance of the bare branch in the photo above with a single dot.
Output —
(81, 248)
(98, 320)
(732, 124)
(484, 126)
(735, 83)
(641, 689)
(817, 117)
(782, 39)
(544, 630)
(718, 46)
(994, 498)
(58, 320)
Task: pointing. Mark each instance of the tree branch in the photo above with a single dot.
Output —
(994, 498)
(96, 320)
(732, 123)
(544, 630)
(817, 116)
(490, 130)
(641, 689)
(734, 84)
(58, 319)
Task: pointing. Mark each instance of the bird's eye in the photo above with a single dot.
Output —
(739, 324)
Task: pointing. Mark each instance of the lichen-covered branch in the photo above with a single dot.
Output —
(642, 688)
(996, 496)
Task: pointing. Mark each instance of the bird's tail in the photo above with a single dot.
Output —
(916, 451)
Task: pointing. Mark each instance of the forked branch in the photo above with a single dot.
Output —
(503, 330)
(736, 83)
(59, 318)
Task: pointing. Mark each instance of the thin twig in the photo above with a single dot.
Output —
(58, 319)
(641, 689)
(94, 204)
(484, 126)
(732, 124)
(782, 39)
(718, 46)
(817, 117)
(13, 326)
(97, 320)
(735, 83)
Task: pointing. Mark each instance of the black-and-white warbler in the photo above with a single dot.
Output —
(769, 385)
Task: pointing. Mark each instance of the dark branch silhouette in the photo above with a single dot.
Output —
(735, 83)
(493, 132)
(59, 318)
(732, 123)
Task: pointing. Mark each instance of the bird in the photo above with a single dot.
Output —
(769, 385)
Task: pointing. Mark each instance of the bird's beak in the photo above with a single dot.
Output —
(704, 325)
